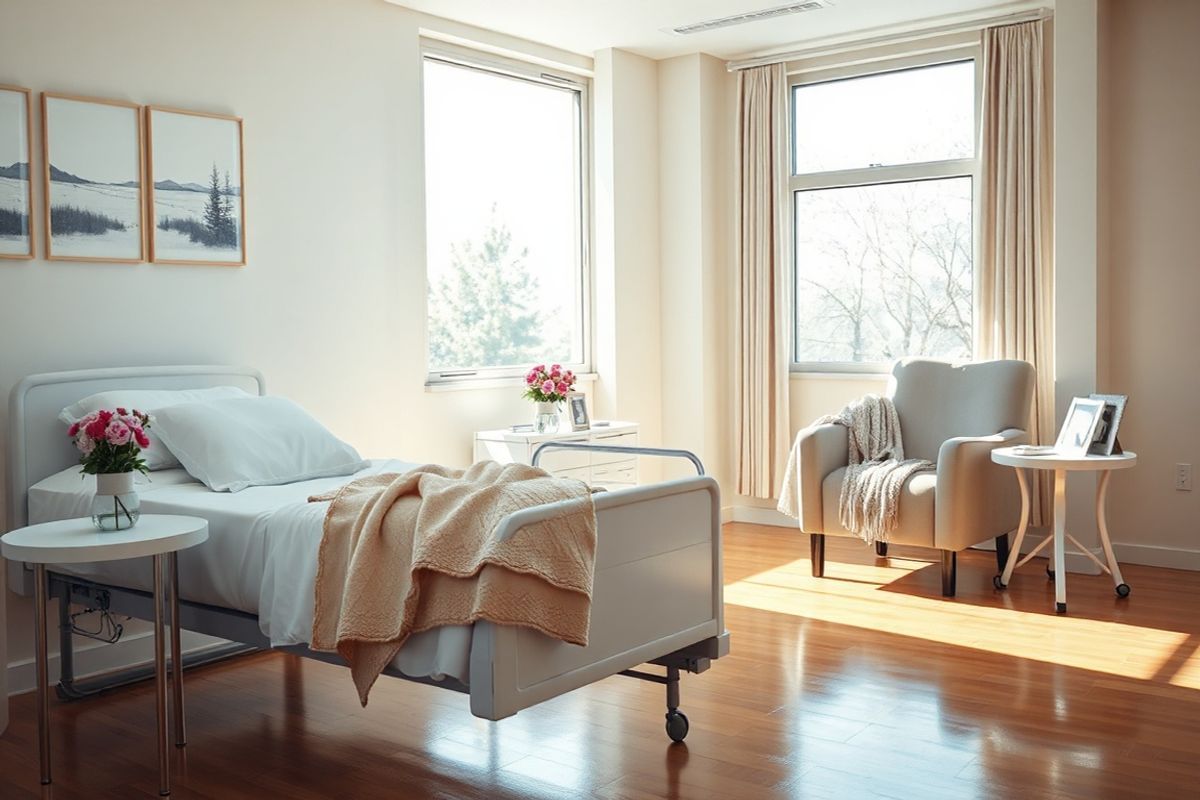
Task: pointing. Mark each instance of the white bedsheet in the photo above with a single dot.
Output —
(260, 558)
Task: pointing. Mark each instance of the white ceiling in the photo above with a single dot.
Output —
(585, 26)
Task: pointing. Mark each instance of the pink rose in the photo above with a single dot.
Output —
(562, 387)
(95, 428)
(143, 441)
(85, 444)
(540, 368)
(548, 387)
(555, 370)
(118, 433)
(121, 412)
(531, 377)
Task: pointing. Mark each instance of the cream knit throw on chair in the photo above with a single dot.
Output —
(877, 470)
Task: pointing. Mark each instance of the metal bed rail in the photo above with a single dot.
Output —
(662, 452)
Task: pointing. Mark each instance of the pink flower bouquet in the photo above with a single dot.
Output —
(548, 385)
(111, 442)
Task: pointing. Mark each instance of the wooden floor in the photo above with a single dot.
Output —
(864, 684)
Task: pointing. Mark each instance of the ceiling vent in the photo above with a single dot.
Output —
(750, 16)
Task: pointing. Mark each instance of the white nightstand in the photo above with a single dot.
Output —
(610, 470)
(76, 541)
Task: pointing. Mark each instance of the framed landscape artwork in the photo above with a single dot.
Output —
(196, 198)
(16, 187)
(92, 153)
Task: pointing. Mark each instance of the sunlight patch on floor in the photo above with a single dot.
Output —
(854, 594)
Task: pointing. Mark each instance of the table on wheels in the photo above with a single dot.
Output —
(76, 541)
(1061, 466)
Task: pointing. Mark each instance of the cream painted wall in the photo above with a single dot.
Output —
(1151, 179)
(331, 304)
(626, 254)
(695, 212)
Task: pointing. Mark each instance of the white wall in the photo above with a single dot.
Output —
(331, 303)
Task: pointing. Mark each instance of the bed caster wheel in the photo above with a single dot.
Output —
(1122, 590)
(1060, 608)
(677, 726)
(998, 583)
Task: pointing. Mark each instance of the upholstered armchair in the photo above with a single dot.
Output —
(953, 416)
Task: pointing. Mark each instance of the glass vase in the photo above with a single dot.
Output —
(116, 506)
(545, 419)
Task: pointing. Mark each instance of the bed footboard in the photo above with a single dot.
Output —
(657, 593)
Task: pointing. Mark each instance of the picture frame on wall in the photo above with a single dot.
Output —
(578, 411)
(92, 177)
(1105, 441)
(16, 177)
(1079, 427)
(197, 212)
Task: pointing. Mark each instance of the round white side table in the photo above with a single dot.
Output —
(1061, 466)
(76, 541)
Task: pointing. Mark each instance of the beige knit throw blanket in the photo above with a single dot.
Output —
(877, 469)
(404, 553)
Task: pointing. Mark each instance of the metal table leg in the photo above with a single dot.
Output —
(1014, 554)
(160, 679)
(43, 679)
(1102, 523)
(176, 659)
(1060, 536)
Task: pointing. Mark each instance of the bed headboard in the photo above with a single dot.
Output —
(37, 442)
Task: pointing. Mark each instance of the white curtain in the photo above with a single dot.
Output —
(761, 344)
(1016, 281)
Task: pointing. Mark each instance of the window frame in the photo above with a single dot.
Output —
(879, 175)
(530, 72)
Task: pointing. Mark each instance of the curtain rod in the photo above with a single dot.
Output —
(891, 38)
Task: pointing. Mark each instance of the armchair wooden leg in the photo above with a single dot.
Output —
(881, 549)
(1001, 551)
(949, 572)
(816, 543)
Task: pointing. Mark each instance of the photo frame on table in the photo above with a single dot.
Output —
(1079, 427)
(92, 170)
(578, 411)
(16, 177)
(1105, 441)
(197, 212)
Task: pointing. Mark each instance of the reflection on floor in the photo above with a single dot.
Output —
(864, 684)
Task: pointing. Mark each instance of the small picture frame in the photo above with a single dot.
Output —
(1079, 427)
(1105, 441)
(577, 408)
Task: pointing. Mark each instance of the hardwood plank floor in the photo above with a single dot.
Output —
(864, 684)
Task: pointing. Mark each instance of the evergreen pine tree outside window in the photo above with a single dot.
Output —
(506, 223)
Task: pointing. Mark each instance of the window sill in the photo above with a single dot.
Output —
(507, 382)
(797, 375)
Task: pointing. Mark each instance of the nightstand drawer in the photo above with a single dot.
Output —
(615, 440)
(558, 460)
(617, 472)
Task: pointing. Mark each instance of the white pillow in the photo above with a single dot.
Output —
(148, 401)
(234, 443)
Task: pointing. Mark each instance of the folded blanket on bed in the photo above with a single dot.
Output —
(403, 553)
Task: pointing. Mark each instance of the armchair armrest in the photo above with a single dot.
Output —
(817, 451)
(977, 499)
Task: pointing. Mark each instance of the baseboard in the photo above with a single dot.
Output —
(94, 658)
(1154, 556)
(762, 516)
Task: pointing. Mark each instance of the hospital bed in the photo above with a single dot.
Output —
(657, 595)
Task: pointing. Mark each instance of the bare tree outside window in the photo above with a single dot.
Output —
(883, 233)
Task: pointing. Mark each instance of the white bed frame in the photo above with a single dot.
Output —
(657, 594)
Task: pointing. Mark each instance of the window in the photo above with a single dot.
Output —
(506, 231)
(883, 168)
